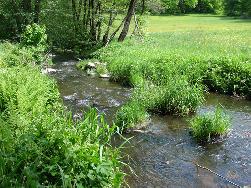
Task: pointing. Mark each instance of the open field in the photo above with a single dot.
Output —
(197, 22)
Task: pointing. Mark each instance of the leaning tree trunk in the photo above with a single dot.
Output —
(128, 19)
(111, 20)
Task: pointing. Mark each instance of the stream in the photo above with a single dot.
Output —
(164, 153)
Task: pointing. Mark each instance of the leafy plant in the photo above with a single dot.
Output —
(40, 143)
(82, 65)
(35, 35)
(35, 39)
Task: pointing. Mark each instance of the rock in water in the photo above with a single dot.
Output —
(104, 76)
(90, 66)
(48, 70)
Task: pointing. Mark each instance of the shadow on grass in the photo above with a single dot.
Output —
(222, 17)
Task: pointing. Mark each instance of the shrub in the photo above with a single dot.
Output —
(35, 39)
(81, 65)
(35, 35)
(177, 96)
(209, 126)
(101, 69)
(230, 76)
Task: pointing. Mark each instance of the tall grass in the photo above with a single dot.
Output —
(209, 126)
(170, 70)
(40, 143)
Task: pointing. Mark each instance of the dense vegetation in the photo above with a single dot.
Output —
(40, 143)
(229, 7)
(79, 25)
(170, 71)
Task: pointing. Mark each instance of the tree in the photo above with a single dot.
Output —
(238, 7)
(128, 19)
(17, 14)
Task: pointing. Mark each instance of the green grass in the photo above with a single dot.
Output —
(197, 22)
(207, 127)
(131, 115)
(40, 143)
(181, 56)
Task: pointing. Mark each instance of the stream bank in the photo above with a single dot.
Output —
(163, 155)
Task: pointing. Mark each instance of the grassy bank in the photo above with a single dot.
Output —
(40, 143)
(170, 70)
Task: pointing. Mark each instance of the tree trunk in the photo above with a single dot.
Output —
(26, 6)
(114, 33)
(111, 19)
(143, 7)
(128, 19)
(93, 21)
(85, 15)
(37, 10)
(26, 11)
(99, 22)
(17, 16)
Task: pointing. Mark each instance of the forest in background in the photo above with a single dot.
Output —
(86, 25)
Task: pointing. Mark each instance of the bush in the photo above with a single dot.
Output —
(35, 39)
(35, 35)
(177, 96)
(82, 65)
(229, 76)
(209, 126)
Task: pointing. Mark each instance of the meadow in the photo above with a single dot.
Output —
(180, 58)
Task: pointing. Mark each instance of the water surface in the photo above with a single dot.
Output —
(164, 153)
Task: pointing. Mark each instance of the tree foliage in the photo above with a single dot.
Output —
(238, 8)
(85, 25)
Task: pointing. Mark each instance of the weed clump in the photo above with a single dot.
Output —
(207, 127)
(130, 115)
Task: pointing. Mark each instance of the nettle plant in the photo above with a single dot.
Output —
(34, 35)
(35, 39)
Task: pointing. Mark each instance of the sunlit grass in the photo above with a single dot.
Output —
(206, 51)
(209, 126)
(197, 22)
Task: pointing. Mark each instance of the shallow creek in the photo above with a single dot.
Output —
(164, 154)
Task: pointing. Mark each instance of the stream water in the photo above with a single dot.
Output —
(164, 153)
